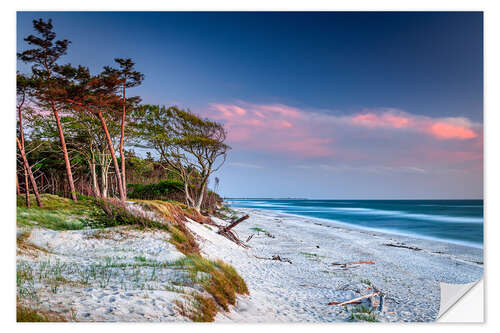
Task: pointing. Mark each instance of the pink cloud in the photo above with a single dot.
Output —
(271, 127)
(389, 136)
(443, 130)
(382, 120)
(440, 128)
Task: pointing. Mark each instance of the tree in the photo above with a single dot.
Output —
(94, 94)
(27, 167)
(129, 79)
(23, 87)
(44, 57)
(192, 147)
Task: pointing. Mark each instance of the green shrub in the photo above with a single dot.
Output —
(165, 189)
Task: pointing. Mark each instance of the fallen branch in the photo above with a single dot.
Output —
(232, 237)
(404, 246)
(234, 224)
(344, 265)
(355, 300)
(226, 231)
(275, 257)
(250, 237)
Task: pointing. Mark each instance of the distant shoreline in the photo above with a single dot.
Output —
(381, 231)
(440, 199)
(347, 225)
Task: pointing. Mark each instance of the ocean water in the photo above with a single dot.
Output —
(455, 221)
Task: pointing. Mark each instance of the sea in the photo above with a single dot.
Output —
(453, 221)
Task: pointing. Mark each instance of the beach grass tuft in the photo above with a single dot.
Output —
(217, 278)
(198, 308)
(219, 281)
(27, 314)
(258, 229)
(363, 313)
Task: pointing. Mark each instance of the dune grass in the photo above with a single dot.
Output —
(60, 213)
(220, 281)
(363, 313)
(27, 314)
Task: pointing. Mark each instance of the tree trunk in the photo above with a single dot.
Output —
(122, 138)
(113, 156)
(18, 191)
(26, 184)
(65, 153)
(201, 194)
(95, 184)
(104, 180)
(26, 164)
(21, 132)
(189, 200)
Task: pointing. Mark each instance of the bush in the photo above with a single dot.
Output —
(163, 190)
(170, 190)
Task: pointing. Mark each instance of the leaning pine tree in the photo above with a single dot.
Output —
(44, 57)
(128, 78)
(96, 95)
(188, 145)
(23, 85)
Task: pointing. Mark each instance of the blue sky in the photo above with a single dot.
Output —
(319, 105)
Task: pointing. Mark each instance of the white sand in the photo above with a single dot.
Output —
(300, 292)
(123, 287)
(118, 291)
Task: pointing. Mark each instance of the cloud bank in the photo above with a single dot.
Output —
(388, 137)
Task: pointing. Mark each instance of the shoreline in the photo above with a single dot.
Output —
(375, 230)
(408, 270)
(423, 243)
(294, 269)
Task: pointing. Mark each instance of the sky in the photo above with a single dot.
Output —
(363, 105)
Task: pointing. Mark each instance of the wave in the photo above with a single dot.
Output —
(413, 216)
(367, 211)
(392, 231)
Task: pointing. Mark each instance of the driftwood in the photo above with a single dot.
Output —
(354, 264)
(275, 257)
(258, 233)
(234, 224)
(356, 300)
(376, 298)
(226, 231)
(404, 246)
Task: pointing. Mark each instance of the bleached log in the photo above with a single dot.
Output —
(355, 300)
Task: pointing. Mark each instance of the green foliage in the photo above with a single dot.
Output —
(363, 313)
(258, 229)
(160, 190)
(60, 213)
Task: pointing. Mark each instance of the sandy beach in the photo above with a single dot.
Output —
(409, 275)
(130, 276)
